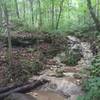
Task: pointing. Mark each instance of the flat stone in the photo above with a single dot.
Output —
(69, 74)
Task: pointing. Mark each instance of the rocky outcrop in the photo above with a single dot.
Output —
(84, 48)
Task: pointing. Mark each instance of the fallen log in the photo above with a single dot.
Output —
(24, 89)
(8, 88)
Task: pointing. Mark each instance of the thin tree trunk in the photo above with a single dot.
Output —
(84, 16)
(8, 33)
(56, 14)
(24, 11)
(36, 16)
(97, 1)
(96, 20)
(49, 16)
(61, 6)
(52, 14)
(69, 9)
(17, 10)
(0, 16)
(40, 15)
(31, 9)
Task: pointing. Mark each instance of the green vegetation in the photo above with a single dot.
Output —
(95, 70)
(71, 59)
(92, 89)
(34, 67)
(92, 85)
(24, 69)
(49, 15)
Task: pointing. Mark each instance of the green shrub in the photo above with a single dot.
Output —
(16, 73)
(92, 89)
(72, 58)
(32, 67)
(92, 85)
(1, 30)
(95, 70)
(21, 71)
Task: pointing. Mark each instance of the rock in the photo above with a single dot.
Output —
(77, 76)
(60, 58)
(78, 82)
(72, 38)
(35, 94)
(19, 96)
(68, 87)
(51, 62)
(59, 73)
(62, 85)
(69, 74)
(57, 59)
(72, 69)
(87, 54)
(83, 48)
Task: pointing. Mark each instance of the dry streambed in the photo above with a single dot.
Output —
(68, 86)
(62, 88)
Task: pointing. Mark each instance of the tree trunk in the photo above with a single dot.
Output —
(98, 2)
(24, 89)
(11, 87)
(31, 9)
(17, 10)
(68, 9)
(0, 16)
(96, 20)
(52, 14)
(61, 6)
(24, 11)
(40, 15)
(8, 32)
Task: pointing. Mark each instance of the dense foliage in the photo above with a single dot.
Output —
(48, 15)
(92, 85)
(95, 70)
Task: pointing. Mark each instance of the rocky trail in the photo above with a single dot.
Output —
(65, 81)
(67, 87)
